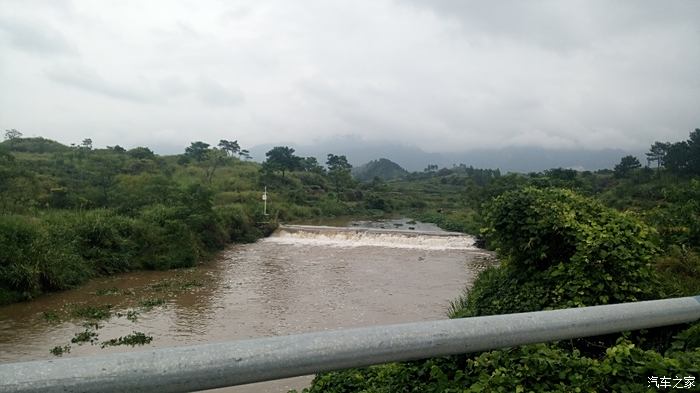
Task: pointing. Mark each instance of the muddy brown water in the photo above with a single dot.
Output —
(292, 282)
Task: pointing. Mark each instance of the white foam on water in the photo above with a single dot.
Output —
(328, 237)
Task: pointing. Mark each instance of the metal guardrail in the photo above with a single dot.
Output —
(208, 366)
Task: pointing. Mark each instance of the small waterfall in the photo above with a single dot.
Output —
(370, 237)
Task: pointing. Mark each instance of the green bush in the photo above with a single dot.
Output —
(102, 238)
(165, 241)
(237, 224)
(20, 260)
(574, 250)
(32, 259)
(624, 367)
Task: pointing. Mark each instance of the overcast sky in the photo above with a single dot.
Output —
(444, 75)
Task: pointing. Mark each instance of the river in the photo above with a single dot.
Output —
(300, 279)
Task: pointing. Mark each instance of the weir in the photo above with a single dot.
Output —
(371, 237)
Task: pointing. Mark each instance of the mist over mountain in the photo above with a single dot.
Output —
(507, 159)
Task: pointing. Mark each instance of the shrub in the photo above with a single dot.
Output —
(570, 250)
(20, 263)
(165, 241)
(102, 238)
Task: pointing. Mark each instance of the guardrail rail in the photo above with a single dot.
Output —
(208, 366)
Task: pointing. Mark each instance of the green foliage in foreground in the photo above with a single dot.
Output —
(530, 368)
(567, 250)
(559, 250)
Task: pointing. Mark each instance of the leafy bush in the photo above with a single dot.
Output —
(680, 271)
(102, 238)
(624, 367)
(31, 260)
(569, 250)
(19, 260)
(165, 241)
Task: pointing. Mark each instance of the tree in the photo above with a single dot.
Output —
(142, 153)
(339, 172)
(244, 154)
(231, 148)
(281, 158)
(677, 157)
(310, 164)
(86, 144)
(215, 158)
(658, 152)
(12, 134)
(694, 152)
(626, 166)
(197, 151)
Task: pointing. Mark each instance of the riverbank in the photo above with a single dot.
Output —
(271, 287)
(58, 250)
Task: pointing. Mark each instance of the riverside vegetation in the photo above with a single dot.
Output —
(565, 238)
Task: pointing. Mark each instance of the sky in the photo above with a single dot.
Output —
(440, 75)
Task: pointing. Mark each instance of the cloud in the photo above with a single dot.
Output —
(214, 93)
(92, 82)
(35, 37)
(443, 75)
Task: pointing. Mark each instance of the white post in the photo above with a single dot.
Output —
(264, 198)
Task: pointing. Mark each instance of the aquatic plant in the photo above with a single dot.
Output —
(92, 312)
(150, 303)
(136, 338)
(60, 350)
(85, 336)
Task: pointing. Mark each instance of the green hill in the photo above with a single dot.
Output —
(33, 145)
(381, 168)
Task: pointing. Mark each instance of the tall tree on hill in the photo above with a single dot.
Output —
(12, 134)
(626, 166)
(694, 152)
(657, 153)
(677, 157)
(244, 154)
(339, 172)
(86, 144)
(197, 151)
(281, 158)
(310, 164)
(230, 147)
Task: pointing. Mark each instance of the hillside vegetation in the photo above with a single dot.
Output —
(382, 169)
(565, 238)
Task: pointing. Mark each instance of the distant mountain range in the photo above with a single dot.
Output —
(507, 159)
(381, 168)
